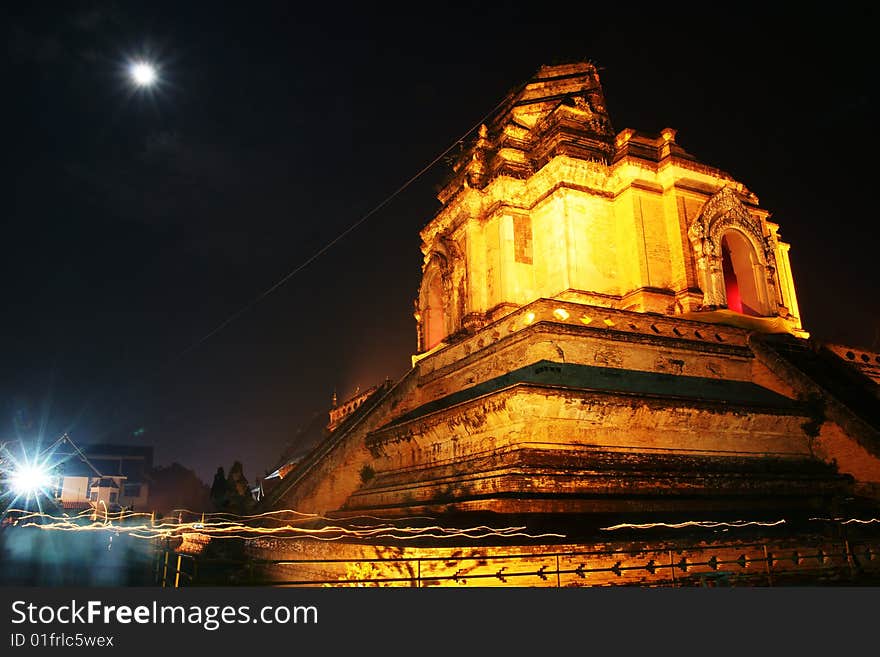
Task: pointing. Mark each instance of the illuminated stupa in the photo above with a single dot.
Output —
(606, 325)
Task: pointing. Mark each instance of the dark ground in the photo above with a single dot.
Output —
(30, 556)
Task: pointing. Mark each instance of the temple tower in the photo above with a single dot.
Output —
(606, 325)
(547, 202)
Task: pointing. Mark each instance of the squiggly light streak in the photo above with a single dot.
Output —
(225, 526)
(859, 521)
(705, 524)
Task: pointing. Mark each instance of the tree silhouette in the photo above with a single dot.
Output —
(237, 490)
(177, 487)
(219, 492)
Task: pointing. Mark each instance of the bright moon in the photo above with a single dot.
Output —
(143, 74)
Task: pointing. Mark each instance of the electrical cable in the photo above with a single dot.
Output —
(305, 263)
(164, 365)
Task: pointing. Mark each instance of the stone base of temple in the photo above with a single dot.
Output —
(561, 407)
(679, 553)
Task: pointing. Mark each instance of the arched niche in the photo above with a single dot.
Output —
(433, 305)
(442, 298)
(742, 275)
(735, 262)
(434, 312)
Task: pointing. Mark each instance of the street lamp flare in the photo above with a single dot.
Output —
(29, 480)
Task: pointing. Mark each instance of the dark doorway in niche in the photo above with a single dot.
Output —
(738, 267)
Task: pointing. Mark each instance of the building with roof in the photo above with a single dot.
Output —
(113, 475)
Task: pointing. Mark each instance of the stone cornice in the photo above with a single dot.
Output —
(606, 323)
(402, 430)
(592, 177)
(560, 172)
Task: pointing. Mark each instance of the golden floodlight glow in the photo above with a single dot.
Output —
(528, 318)
(561, 314)
(624, 136)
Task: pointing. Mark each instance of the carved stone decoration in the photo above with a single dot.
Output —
(726, 205)
(770, 244)
(582, 103)
(724, 212)
(434, 270)
(444, 262)
(456, 279)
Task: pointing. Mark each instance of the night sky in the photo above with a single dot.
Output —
(136, 222)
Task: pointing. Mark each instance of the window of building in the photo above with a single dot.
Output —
(94, 496)
(112, 497)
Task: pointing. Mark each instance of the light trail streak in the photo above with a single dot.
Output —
(849, 521)
(704, 524)
(230, 526)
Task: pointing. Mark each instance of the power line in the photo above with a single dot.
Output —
(317, 254)
(284, 279)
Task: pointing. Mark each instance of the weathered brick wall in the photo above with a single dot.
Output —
(834, 445)
(765, 561)
(449, 453)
